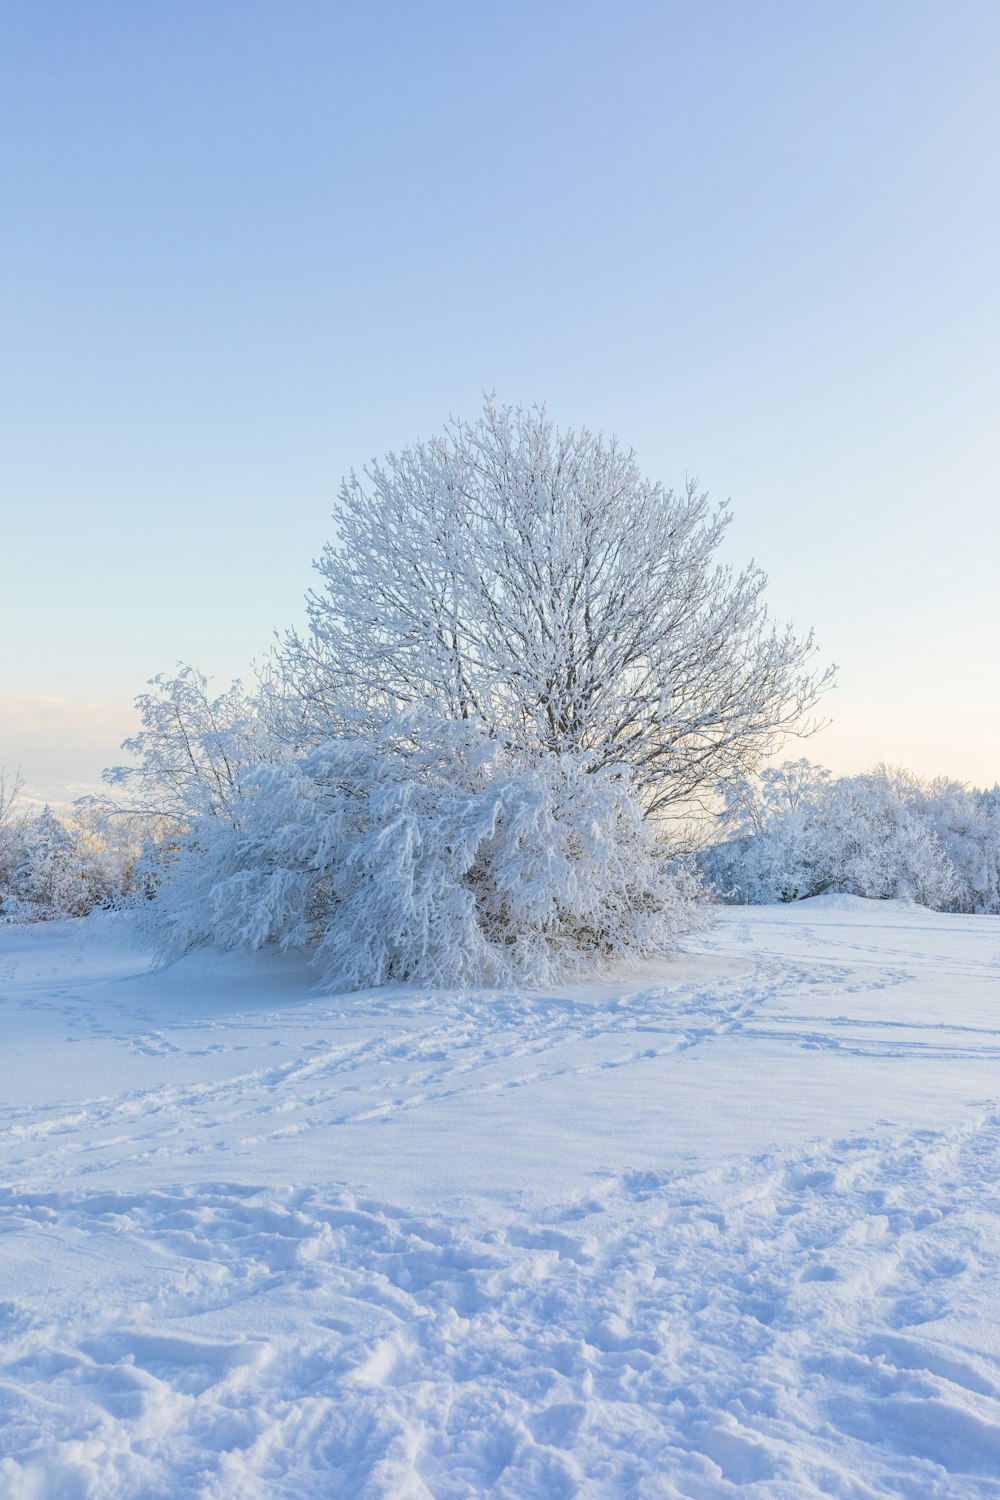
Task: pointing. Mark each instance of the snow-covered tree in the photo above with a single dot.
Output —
(45, 858)
(521, 653)
(191, 748)
(966, 825)
(878, 844)
(800, 832)
(11, 819)
(66, 866)
(11, 827)
(773, 851)
(753, 804)
(533, 582)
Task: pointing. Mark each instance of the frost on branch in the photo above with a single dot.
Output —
(429, 853)
(533, 582)
(191, 748)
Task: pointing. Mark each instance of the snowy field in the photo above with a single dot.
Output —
(728, 1224)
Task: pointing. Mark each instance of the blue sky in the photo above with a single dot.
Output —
(247, 246)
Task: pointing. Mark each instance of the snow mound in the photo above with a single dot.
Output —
(844, 901)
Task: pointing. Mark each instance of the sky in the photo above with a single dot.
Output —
(247, 247)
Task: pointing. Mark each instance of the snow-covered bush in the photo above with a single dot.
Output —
(795, 832)
(427, 852)
(966, 824)
(64, 866)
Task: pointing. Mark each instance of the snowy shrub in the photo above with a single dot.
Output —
(436, 857)
(966, 825)
(56, 867)
(798, 832)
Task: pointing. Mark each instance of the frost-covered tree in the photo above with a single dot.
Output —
(966, 825)
(191, 748)
(753, 804)
(11, 822)
(66, 866)
(521, 652)
(531, 581)
(799, 832)
(45, 857)
(774, 850)
(877, 842)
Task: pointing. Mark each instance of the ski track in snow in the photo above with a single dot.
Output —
(811, 1319)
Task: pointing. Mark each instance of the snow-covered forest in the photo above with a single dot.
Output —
(66, 864)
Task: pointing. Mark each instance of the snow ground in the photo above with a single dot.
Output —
(728, 1225)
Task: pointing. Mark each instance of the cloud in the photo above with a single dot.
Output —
(61, 744)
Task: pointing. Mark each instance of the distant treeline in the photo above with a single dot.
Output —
(795, 831)
(55, 865)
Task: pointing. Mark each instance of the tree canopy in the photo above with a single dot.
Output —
(534, 581)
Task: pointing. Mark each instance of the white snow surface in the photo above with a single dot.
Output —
(727, 1224)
